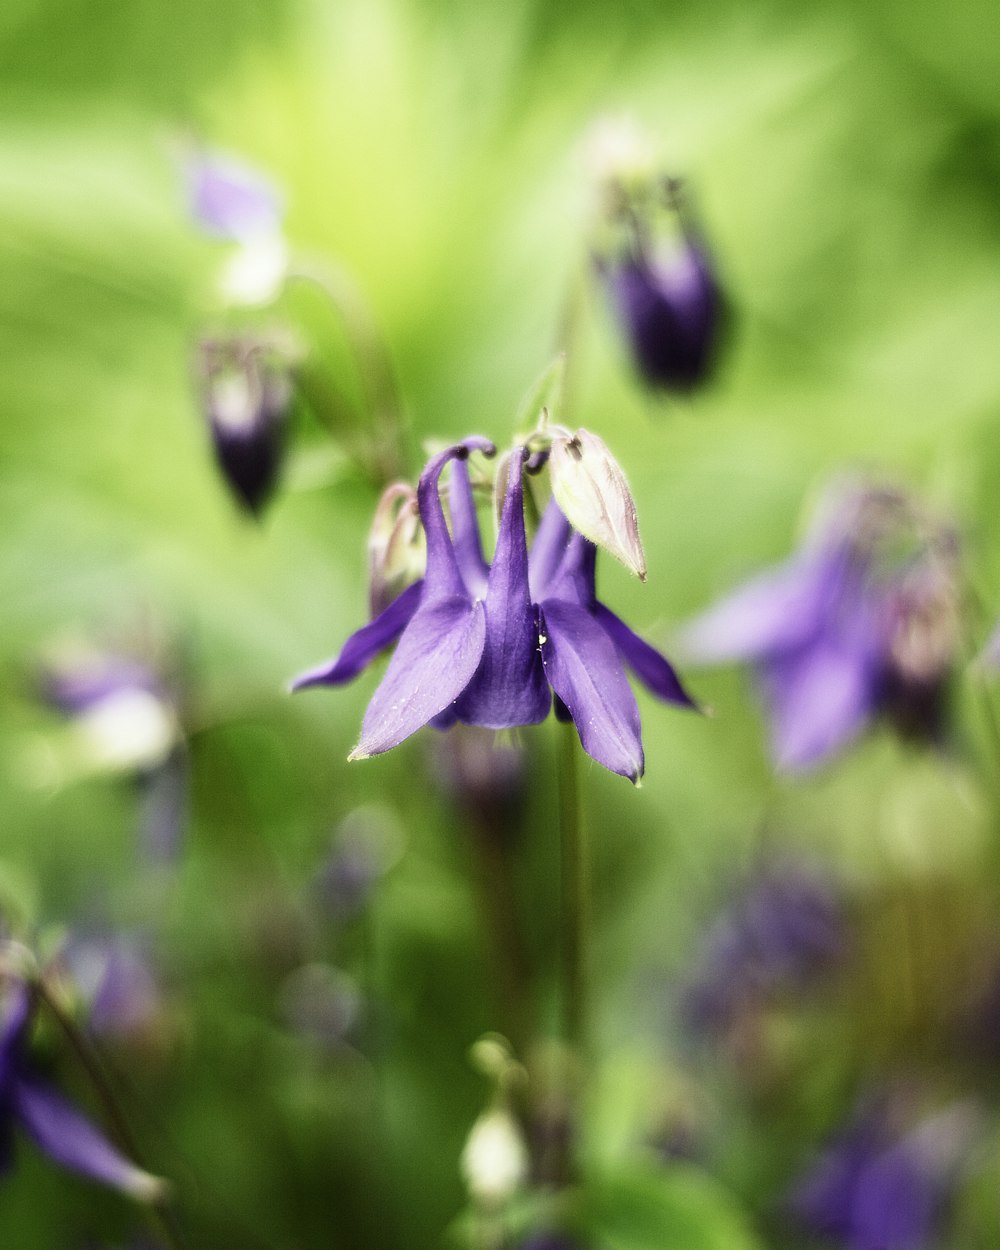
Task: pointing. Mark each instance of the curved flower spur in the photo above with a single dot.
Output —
(484, 643)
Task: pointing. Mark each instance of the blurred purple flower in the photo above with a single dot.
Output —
(847, 629)
(246, 393)
(366, 844)
(670, 308)
(54, 1124)
(230, 200)
(483, 644)
(876, 1188)
(114, 975)
(783, 932)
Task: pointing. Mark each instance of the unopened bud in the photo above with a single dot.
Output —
(495, 1158)
(247, 393)
(591, 489)
(396, 553)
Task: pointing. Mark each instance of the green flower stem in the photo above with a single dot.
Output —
(159, 1208)
(375, 372)
(575, 880)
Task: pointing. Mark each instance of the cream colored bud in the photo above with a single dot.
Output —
(395, 546)
(495, 1158)
(591, 489)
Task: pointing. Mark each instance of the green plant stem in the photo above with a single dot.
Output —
(158, 1208)
(575, 880)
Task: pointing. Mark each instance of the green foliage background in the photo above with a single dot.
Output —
(845, 160)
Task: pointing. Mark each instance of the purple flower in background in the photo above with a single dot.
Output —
(230, 200)
(670, 309)
(483, 644)
(861, 622)
(114, 974)
(54, 1124)
(247, 392)
(783, 932)
(879, 1188)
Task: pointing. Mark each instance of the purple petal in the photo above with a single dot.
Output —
(771, 613)
(547, 550)
(583, 667)
(17, 1006)
(465, 530)
(819, 698)
(509, 687)
(894, 1203)
(652, 669)
(230, 200)
(365, 643)
(437, 655)
(443, 578)
(70, 1139)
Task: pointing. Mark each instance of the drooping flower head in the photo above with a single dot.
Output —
(247, 390)
(655, 265)
(780, 935)
(489, 643)
(30, 1103)
(882, 1184)
(861, 622)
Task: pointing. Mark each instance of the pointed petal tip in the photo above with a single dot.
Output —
(359, 753)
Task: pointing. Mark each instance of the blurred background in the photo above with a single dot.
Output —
(783, 966)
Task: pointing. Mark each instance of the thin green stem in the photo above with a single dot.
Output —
(158, 1208)
(575, 878)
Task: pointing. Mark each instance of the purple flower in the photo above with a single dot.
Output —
(781, 934)
(876, 1188)
(230, 200)
(670, 310)
(115, 976)
(483, 644)
(847, 629)
(54, 1124)
(246, 394)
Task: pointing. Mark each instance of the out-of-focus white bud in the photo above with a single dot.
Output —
(130, 728)
(495, 1158)
(591, 489)
(396, 551)
(256, 271)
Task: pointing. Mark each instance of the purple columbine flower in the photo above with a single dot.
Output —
(847, 629)
(876, 1188)
(55, 1125)
(787, 929)
(115, 976)
(230, 200)
(670, 309)
(247, 394)
(483, 644)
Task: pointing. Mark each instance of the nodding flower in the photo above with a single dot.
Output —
(489, 643)
(57, 1127)
(862, 622)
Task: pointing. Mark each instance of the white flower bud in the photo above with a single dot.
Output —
(591, 489)
(495, 1158)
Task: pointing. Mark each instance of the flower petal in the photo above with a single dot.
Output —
(509, 687)
(819, 698)
(70, 1139)
(230, 200)
(584, 669)
(547, 550)
(443, 577)
(465, 530)
(770, 613)
(365, 643)
(653, 670)
(436, 657)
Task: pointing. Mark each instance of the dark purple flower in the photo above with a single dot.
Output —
(670, 309)
(247, 394)
(483, 644)
(846, 630)
(230, 200)
(877, 1188)
(787, 929)
(54, 1124)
